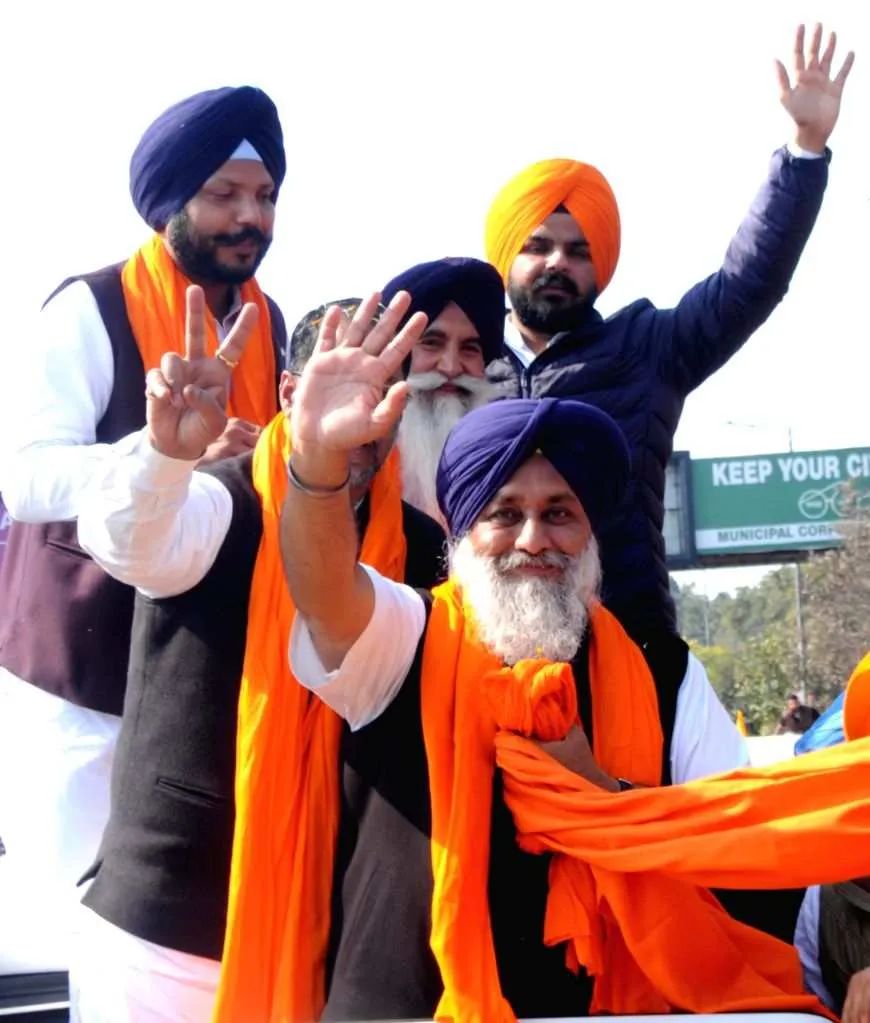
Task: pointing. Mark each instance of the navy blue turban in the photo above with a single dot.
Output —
(191, 140)
(474, 286)
(487, 446)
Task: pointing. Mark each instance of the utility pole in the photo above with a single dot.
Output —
(799, 622)
(799, 611)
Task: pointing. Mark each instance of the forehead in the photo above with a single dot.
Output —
(561, 228)
(452, 323)
(242, 174)
(536, 482)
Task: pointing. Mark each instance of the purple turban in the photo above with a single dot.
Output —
(487, 446)
(473, 285)
(191, 140)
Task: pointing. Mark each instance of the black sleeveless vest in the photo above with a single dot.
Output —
(163, 867)
(66, 625)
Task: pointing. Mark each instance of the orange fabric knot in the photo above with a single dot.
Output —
(528, 199)
(534, 698)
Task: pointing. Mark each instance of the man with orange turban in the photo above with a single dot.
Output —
(553, 232)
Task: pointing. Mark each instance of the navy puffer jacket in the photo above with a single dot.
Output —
(641, 363)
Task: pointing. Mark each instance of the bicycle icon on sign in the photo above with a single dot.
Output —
(838, 499)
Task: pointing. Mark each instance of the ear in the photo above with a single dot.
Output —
(286, 387)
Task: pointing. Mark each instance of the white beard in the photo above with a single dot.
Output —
(427, 420)
(524, 617)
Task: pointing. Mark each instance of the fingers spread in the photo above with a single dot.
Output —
(235, 342)
(327, 339)
(840, 80)
(782, 77)
(799, 62)
(384, 330)
(195, 329)
(389, 410)
(401, 345)
(360, 327)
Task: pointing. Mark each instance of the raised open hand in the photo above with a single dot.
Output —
(348, 395)
(813, 102)
(186, 397)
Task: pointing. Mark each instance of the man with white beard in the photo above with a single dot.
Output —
(464, 300)
(515, 643)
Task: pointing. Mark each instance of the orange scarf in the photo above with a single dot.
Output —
(287, 774)
(467, 699)
(635, 863)
(155, 295)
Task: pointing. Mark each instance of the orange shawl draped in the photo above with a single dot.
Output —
(287, 775)
(155, 296)
(468, 698)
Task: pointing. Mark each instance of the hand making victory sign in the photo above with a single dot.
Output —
(186, 397)
(813, 101)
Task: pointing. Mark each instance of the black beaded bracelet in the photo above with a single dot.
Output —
(313, 491)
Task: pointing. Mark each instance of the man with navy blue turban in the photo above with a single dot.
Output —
(426, 682)
(205, 178)
(464, 301)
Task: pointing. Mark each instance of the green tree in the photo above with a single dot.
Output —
(837, 587)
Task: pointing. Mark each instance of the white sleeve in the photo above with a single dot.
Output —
(803, 154)
(51, 405)
(705, 739)
(374, 669)
(150, 521)
(806, 941)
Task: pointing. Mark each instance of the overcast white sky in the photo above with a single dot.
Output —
(402, 120)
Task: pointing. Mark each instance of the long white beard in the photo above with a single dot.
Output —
(427, 420)
(521, 617)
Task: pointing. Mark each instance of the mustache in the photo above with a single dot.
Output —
(555, 280)
(247, 234)
(433, 380)
(515, 560)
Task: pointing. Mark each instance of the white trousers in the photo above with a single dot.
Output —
(55, 767)
(118, 978)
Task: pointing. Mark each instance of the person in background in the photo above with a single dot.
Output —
(797, 718)
(205, 178)
(554, 233)
(464, 301)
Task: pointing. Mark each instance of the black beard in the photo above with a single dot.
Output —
(197, 254)
(551, 314)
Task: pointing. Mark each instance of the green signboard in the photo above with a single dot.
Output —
(792, 501)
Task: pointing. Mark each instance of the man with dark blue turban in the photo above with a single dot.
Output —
(204, 177)
(464, 301)
(434, 685)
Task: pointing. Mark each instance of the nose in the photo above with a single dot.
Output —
(449, 362)
(532, 537)
(557, 260)
(249, 212)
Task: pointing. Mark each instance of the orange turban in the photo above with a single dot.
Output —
(528, 199)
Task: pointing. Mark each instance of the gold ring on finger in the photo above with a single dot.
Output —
(229, 363)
